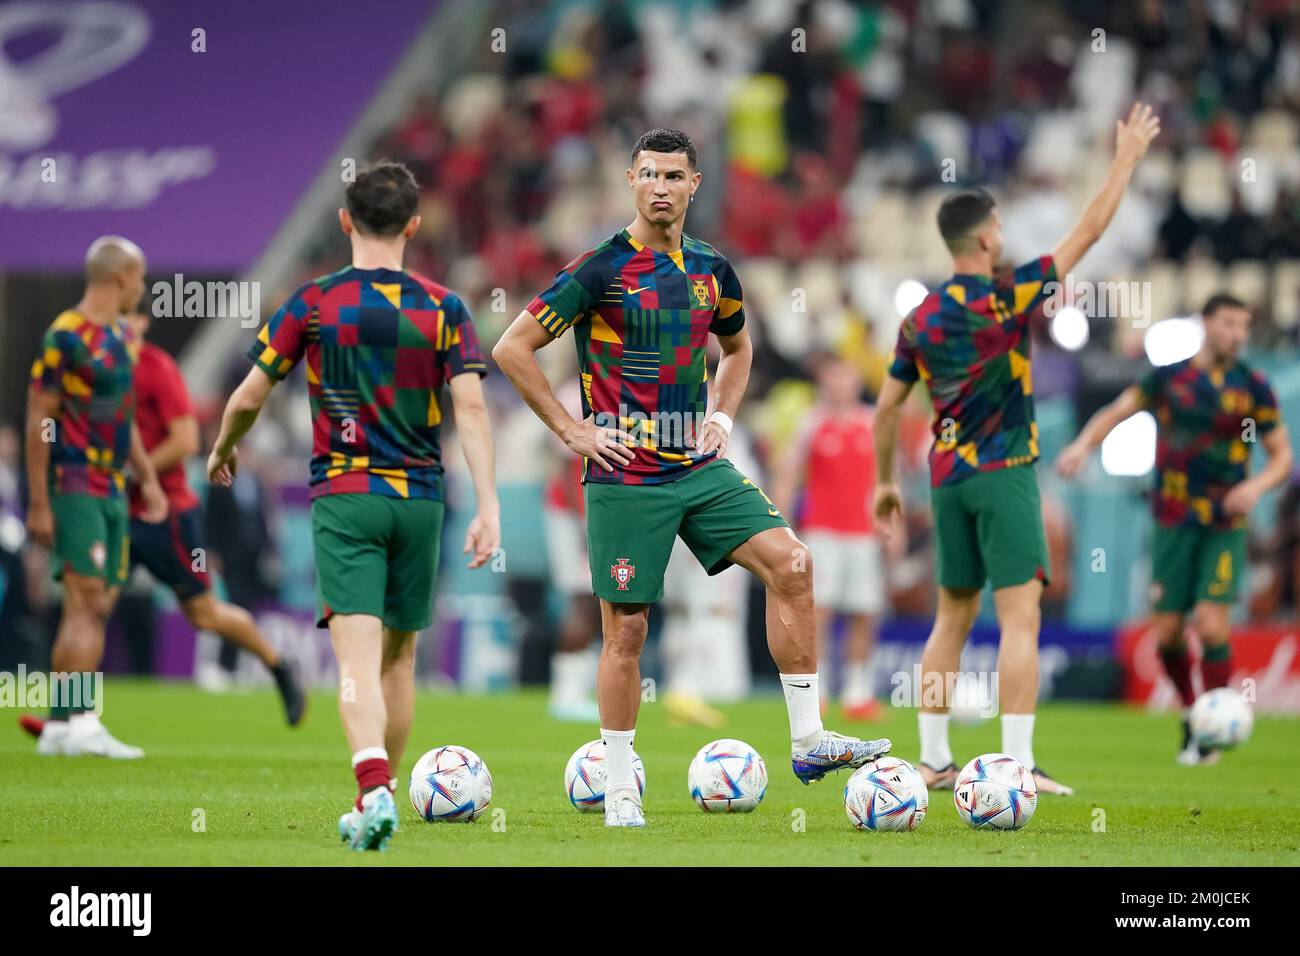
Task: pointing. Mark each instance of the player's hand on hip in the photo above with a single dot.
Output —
(222, 468)
(155, 502)
(40, 524)
(605, 445)
(482, 539)
(1135, 134)
(1070, 461)
(1241, 498)
(712, 438)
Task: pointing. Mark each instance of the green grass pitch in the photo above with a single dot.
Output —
(270, 795)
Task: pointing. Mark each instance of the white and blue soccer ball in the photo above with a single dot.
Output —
(585, 775)
(450, 784)
(886, 794)
(1221, 719)
(995, 792)
(727, 776)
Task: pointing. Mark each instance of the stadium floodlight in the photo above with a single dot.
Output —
(909, 294)
(1130, 449)
(1173, 340)
(1069, 328)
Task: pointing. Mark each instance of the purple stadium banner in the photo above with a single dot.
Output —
(190, 129)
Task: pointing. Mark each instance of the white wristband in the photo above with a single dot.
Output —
(723, 419)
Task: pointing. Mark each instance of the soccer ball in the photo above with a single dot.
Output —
(584, 776)
(886, 794)
(450, 783)
(1220, 719)
(997, 792)
(727, 776)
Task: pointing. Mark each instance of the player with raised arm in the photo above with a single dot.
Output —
(642, 305)
(379, 344)
(1209, 410)
(969, 342)
(81, 433)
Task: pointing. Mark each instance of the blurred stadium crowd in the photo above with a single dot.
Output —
(828, 132)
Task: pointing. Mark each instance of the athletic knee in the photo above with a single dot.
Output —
(1167, 630)
(89, 602)
(399, 654)
(202, 615)
(626, 635)
(790, 574)
(1212, 625)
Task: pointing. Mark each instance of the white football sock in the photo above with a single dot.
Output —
(1018, 738)
(369, 753)
(619, 775)
(84, 722)
(935, 752)
(569, 677)
(805, 715)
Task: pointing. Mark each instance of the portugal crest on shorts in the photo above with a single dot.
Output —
(622, 572)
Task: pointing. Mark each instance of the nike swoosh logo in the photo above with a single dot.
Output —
(802, 686)
(773, 512)
(635, 291)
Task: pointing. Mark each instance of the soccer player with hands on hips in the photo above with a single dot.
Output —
(642, 305)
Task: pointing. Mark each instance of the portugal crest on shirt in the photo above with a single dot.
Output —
(700, 289)
(623, 573)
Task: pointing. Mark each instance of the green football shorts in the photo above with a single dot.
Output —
(376, 555)
(91, 537)
(631, 528)
(1191, 563)
(989, 527)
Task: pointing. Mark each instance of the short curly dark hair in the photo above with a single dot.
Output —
(665, 141)
(383, 198)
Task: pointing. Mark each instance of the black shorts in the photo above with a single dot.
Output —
(173, 552)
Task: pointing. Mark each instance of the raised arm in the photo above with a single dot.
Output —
(1132, 137)
(1130, 402)
(484, 534)
(516, 356)
(889, 405)
(241, 412)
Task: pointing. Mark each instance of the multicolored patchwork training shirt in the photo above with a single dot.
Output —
(379, 345)
(1207, 423)
(969, 342)
(90, 367)
(641, 321)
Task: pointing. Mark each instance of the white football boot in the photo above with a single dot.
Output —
(53, 739)
(624, 810)
(87, 737)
